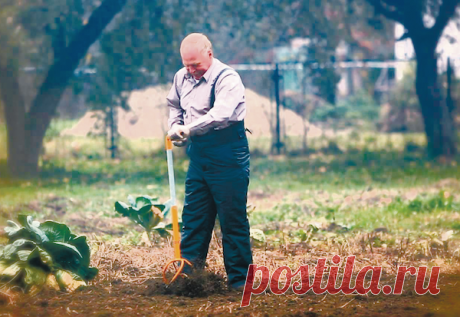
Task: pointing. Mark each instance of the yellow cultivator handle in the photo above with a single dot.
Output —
(169, 144)
(175, 221)
(176, 235)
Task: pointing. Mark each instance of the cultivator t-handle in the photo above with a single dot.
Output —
(178, 262)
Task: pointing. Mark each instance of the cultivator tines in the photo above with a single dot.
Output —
(178, 268)
(178, 262)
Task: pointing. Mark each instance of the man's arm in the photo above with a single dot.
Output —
(176, 113)
(229, 94)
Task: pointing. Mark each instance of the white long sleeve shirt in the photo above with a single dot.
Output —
(189, 99)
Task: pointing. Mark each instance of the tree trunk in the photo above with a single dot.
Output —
(25, 131)
(439, 125)
(23, 154)
(15, 120)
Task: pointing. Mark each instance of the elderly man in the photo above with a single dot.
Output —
(207, 108)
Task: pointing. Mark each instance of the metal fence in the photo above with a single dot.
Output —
(386, 84)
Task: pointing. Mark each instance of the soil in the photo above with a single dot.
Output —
(129, 281)
(148, 117)
(115, 298)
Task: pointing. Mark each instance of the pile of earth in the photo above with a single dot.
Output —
(148, 117)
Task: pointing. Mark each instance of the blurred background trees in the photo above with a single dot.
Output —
(103, 50)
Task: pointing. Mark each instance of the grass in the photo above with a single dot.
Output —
(362, 182)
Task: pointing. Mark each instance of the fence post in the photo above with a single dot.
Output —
(112, 130)
(449, 99)
(276, 79)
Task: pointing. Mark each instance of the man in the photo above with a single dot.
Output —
(207, 108)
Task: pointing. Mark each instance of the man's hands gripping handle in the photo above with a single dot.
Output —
(179, 134)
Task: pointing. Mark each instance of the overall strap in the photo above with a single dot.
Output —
(213, 87)
(213, 91)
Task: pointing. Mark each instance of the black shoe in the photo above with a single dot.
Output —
(237, 287)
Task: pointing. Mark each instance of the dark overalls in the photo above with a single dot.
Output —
(217, 184)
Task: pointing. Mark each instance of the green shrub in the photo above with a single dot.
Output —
(360, 106)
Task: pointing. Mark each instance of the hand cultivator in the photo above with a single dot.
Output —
(177, 262)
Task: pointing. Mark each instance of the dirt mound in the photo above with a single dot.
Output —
(198, 284)
(148, 117)
(261, 118)
(89, 123)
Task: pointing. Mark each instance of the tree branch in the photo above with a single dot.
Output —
(61, 71)
(446, 12)
(410, 16)
(380, 8)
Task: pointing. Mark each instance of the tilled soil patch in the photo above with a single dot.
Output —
(118, 298)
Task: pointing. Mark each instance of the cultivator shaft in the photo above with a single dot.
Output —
(175, 221)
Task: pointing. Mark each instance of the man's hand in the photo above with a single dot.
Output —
(179, 133)
(180, 143)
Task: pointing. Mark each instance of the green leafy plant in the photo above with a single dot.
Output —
(258, 237)
(443, 201)
(330, 210)
(40, 254)
(147, 212)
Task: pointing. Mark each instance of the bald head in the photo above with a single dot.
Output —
(196, 53)
(196, 41)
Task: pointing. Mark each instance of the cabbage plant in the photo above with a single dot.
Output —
(39, 254)
(147, 212)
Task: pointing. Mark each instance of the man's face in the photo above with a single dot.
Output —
(196, 62)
